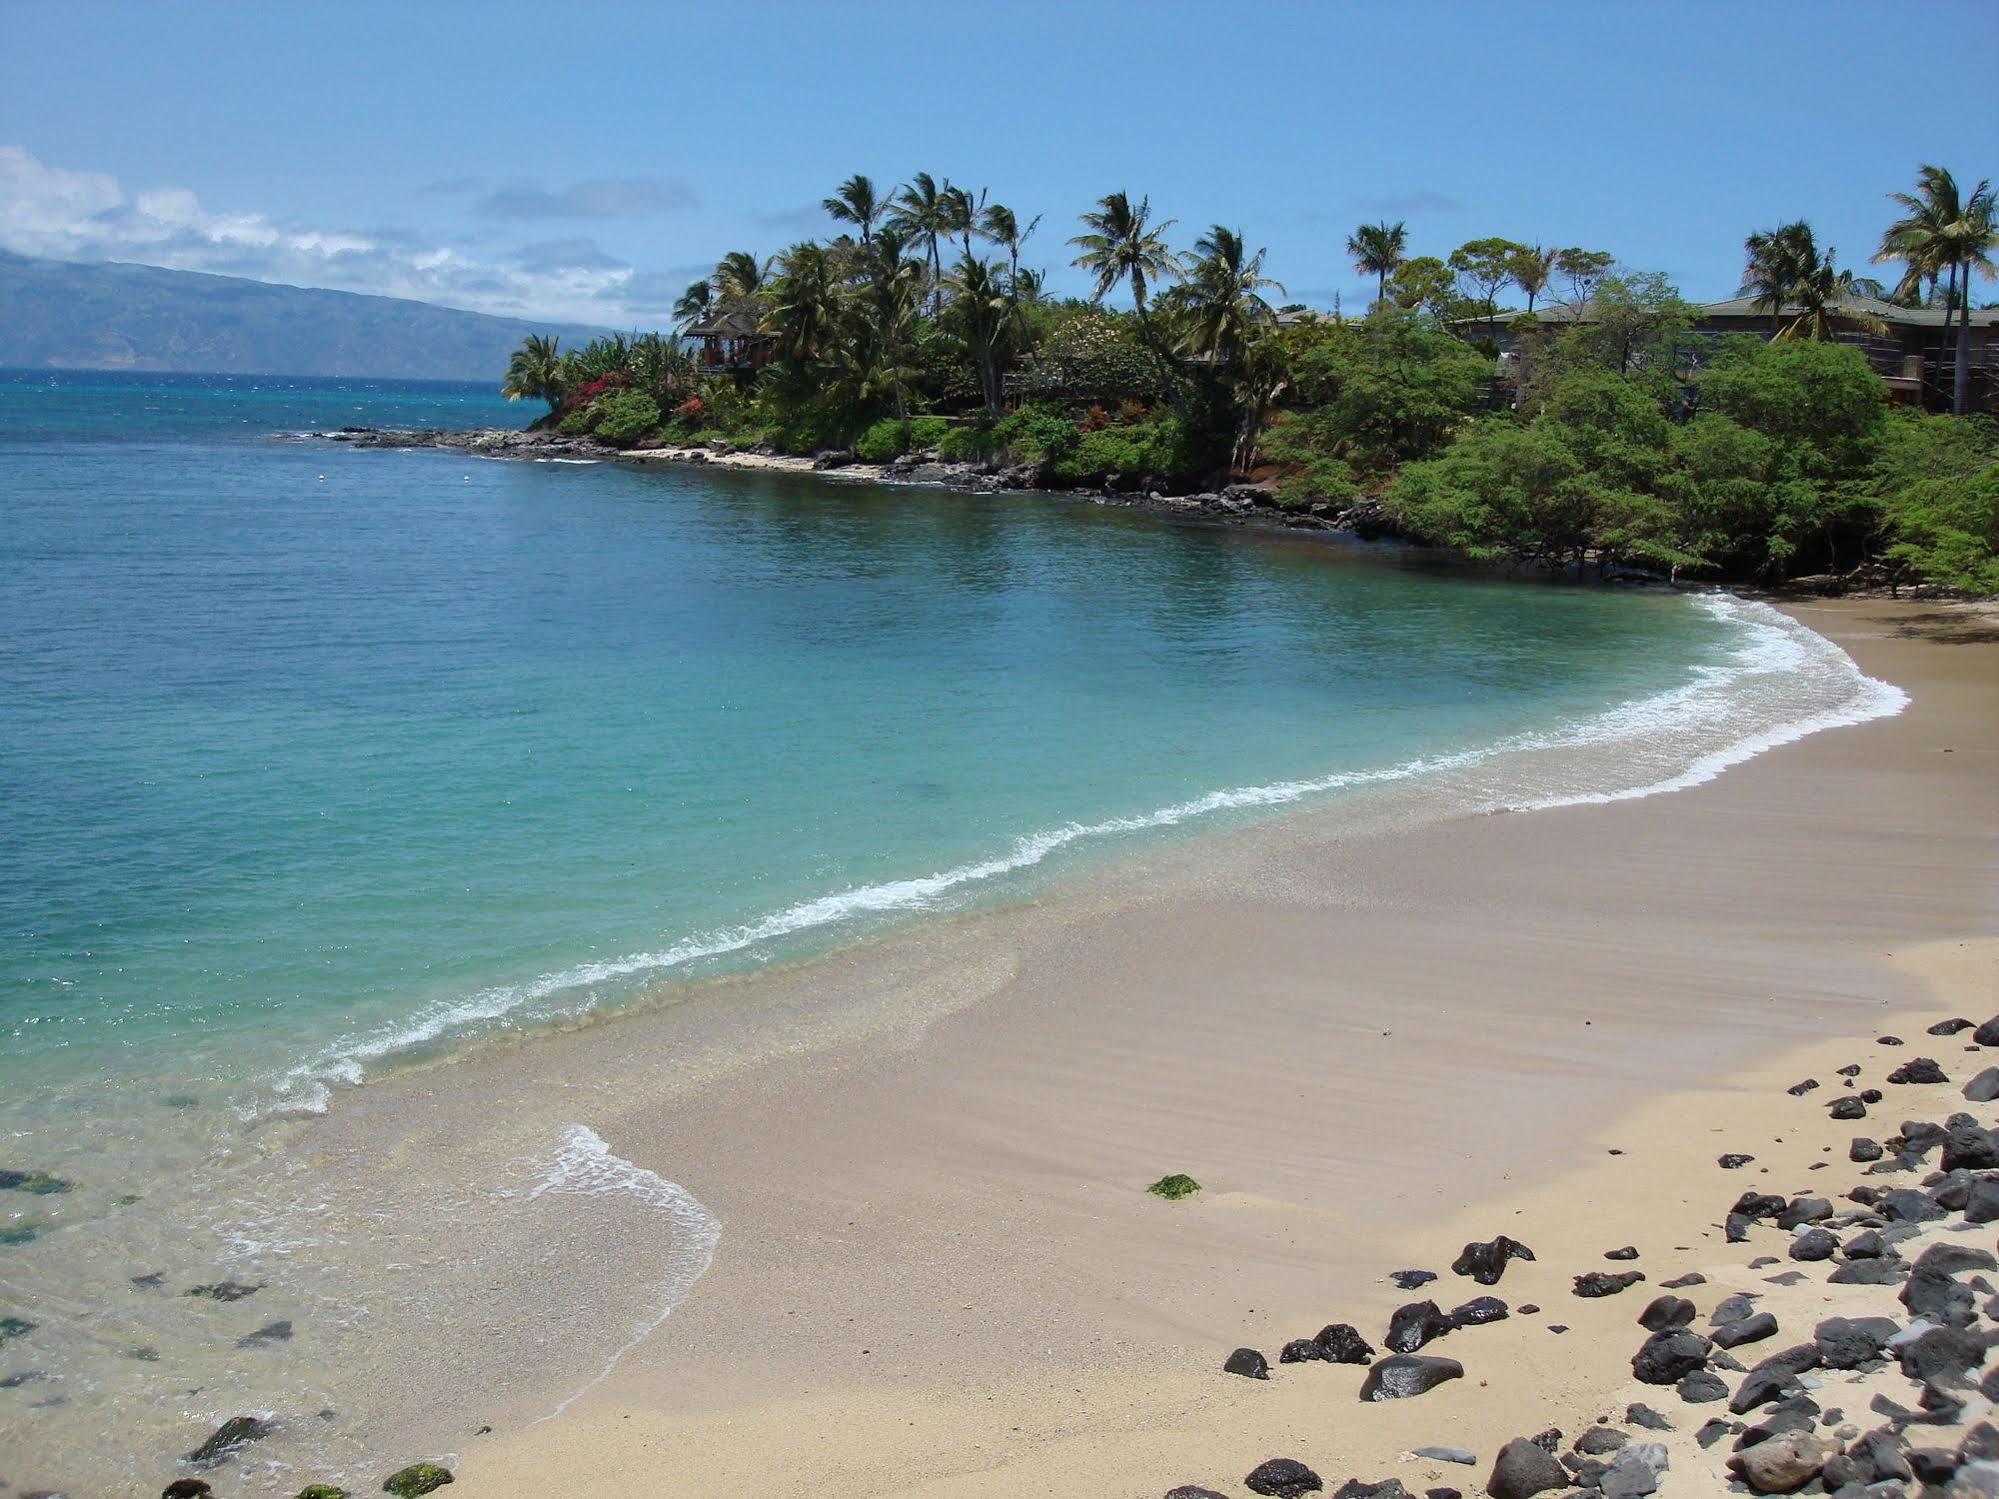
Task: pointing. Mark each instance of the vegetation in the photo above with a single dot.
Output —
(1612, 435)
(1174, 1187)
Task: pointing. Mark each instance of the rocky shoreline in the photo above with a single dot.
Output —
(1882, 1293)
(1235, 504)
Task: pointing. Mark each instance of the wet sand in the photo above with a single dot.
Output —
(938, 1272)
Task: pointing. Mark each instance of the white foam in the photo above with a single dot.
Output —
(1782, 682)
(584, 1165)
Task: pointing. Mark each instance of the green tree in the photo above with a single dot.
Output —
(1425, 284)
(1221, 301)
(984, 312)
(535, 371)
(1378, 250)
(856, 202)
(1483, 266)
(1945, 232)
(926, 210)
(998, 224)
(803, 303)
(1120, 243)
(1936, 481)
(1531, 269)
(1582, 269)
(693, 304)
(738, 277)
(1778, 260)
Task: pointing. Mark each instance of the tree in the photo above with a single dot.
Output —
(1531, 269)
(927, 211)
(873, 358)
(998, 224)
(856, 202)
(1221, 298)
(985, 313)
(534, 370)
(738, 277)
(1778, 260)
(693, 304)
(804, 303)
(1425, 284)
(1944, 233)
(1582, 270)
(1485, 265)
(961, 214)
(1121, 244)
(1377, 251)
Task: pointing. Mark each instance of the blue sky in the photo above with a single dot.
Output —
(586, 162)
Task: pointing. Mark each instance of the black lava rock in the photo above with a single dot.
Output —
(1863, 1149)
(1340, 1344)
(1984, 1087)
(1679, 1282)
(1667, 1357)
(1524, 1469)
(1283, 1478)
(1750, 1329)
(1403, 1376)
(1918, 1070)
(1628, 1252)
(1414, 1325)
(1606, 1283)
(1645, 1416)
(1867, 1273)
(1301, 1351)
(1988, 1033)
(1799, 1090)
(227, 1437)
(1478, 1311)
(1486, 1262)
(1942, 1353)
(1848, 1108)
(1665, 1313)
(1734, 1162)
(1769, 1380)
(1802, 1210)
(1248, 1363)
(1701, 1387)
(1601, 1439)
(1409, 1280)
(1970, 1148)
(1813, 1244)
(1948, 1027)
(1849, 1342)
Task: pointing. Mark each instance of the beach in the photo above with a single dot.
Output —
(1371, 1040)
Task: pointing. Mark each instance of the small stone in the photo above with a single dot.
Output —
(1486, 1262)
(1645, 1416)
(186, 1488)
(1887, 1040)
(1598, 1283)
(224, 1290)
(1409, 1280)
(1248, 1363)
(1185, 1491)
(1680, 1282)
(1340, 1344)
(1628, 1252)
(1734, 1162)
(1280, 1477)
(1799, 1090)
(271, 1332)
(1848, 1108)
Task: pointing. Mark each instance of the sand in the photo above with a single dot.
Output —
(1370, 1039)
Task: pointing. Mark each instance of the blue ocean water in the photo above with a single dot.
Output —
(310, 756)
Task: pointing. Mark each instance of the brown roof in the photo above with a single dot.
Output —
(736, 320)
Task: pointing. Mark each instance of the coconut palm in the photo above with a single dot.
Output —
(1377, 249)
(693, 305)
(873, 358)
(1778, 260)
(961, 213)
(1945, 233)
(1975, 239)
(855, 202)
(1123, 245)
(998, 224)
(926, 210)
(1533, 268)
(1221, 298)
(535, 370)
(804, 303)
(738, 276)
(984, 312)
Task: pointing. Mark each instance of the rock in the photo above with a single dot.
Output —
(1299, 1351)
(1865, 1245)
(1799, 1090)
(1414, 1325)
(1734, 1162)
(227, 1437)
(1941, 1353)
(1664, 1313)
(1486, 1262)
(1988, 1033)
(1645, 1416)
(1478, 1312)
(1907, 1205)
(34, 1183)
(1678, 1282)
(1781, 1465)
(1813, 1244)
(1340, 1344)
(1867, 1273)
(1847, 1108)
(1605, 1283)
(416, 1479)
(1788, 1278)
(1284, 1478)
(1803, 1210)
(1932, 1464)
(1984, 1087)
(1599, 1440)
(1948, 1027)
(1888, 1041)
(1918, 1070)
(1968, 1147)
(1665, 1357)
(1714, 1429)
(1387, 1488)
(1403, 1376)
(1769, 1380)
(1248, 1363)
(1732, 1309)
(271, 1332)
(1751, 1329)
(186, 1488)
(1979, 1480)
(224, 1290)
(1628, 1252)
(1981, 1204)
(1409, 1280)
(1864, 1149)
(1635, 1471)
(1849, 1342)
(1524, 1469)
(1447, 1455)
(1700, 1387)
(334, 1491)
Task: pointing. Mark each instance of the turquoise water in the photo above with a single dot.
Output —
(309, 756)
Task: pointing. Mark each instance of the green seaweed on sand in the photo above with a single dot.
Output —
(19, 1233)
(1174, 1187)
(14, 1327)
(39, 1183)
(417, 1478)
(322, 1491)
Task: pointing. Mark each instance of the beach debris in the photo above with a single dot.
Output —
(416, 1479)
(1733, 1161)
(1174, 1187)
(1918, 1070)
(223, 1290)
(1782, 1464)
(1666, 1357)
(1525, 1468)
(1409, 1280)
(1411, 1326)
(1596, 1283)
(1248, 1363)
(1753, 1328)
(1665, 1313)
(1403, 1376)
(1486, 1262)
(1280, 1477)
(1459, 1455)
(37, 1183)
(227, 1437)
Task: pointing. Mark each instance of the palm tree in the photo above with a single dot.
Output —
(693, 305)
(984, 311)
(1533, 268)
(1123, 245)
(998, 224)
(1946, 233)
(1222, 296)
(855, 202)
(1976, 237)
(926, 211)
(535, 370)
(961, 213)
(738, 276)
(1778, 260)
(873, 358)
(804, 310)
(1377, 249)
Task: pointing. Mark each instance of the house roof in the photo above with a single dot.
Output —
(1749, 309)
(736, 320)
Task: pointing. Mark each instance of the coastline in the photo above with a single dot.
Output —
(931, 1151)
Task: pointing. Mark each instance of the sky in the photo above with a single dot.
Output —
(584, 163)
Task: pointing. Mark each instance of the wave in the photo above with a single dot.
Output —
(1782, 682)
(584, 1166)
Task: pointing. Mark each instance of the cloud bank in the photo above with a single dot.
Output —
(62, 214)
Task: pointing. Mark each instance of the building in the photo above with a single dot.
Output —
(730, 340)
(1906, 345)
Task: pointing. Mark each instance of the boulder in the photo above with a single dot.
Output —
(1941, 1353)
(1414, 1325)
(1867, 1273)
(1666, 1357)
(1803, 1210)
(1664, 1313)
(1988, 1033)
(1907, 1205)
(1340, 1344)
(1599, 1440)
(1523, 1469)
(1971, 1148)
(1751, 1329)
(1948, 1027)
(1403, 1376)
(1782, 1465)
(1918, 1070)
(1984, 1087)
(1486, 1262)
(1701, 1387)
(1813, 1244)
(1864, 1149)
(1848, 1342)
(1283, 1478)
(1981, 1203)
(1248, 1363)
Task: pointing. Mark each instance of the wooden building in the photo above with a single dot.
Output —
(730, 340)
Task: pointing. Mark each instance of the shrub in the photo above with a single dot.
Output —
(578, 421)
(882, 440)
(967, 444)
(1033, 433)
(624, 416)
(1174, 1187)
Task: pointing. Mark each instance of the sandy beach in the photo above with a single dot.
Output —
(1371, 1039)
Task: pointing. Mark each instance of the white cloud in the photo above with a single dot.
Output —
(70, 215)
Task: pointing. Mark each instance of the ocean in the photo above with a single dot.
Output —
(317, 762)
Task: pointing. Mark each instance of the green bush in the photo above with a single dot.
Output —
(625, 416)
(882, 440)
(1159, 447)
(578, 422)
(967, 444)
(1033, 433)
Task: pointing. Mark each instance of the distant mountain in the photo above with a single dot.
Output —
(55, 314)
